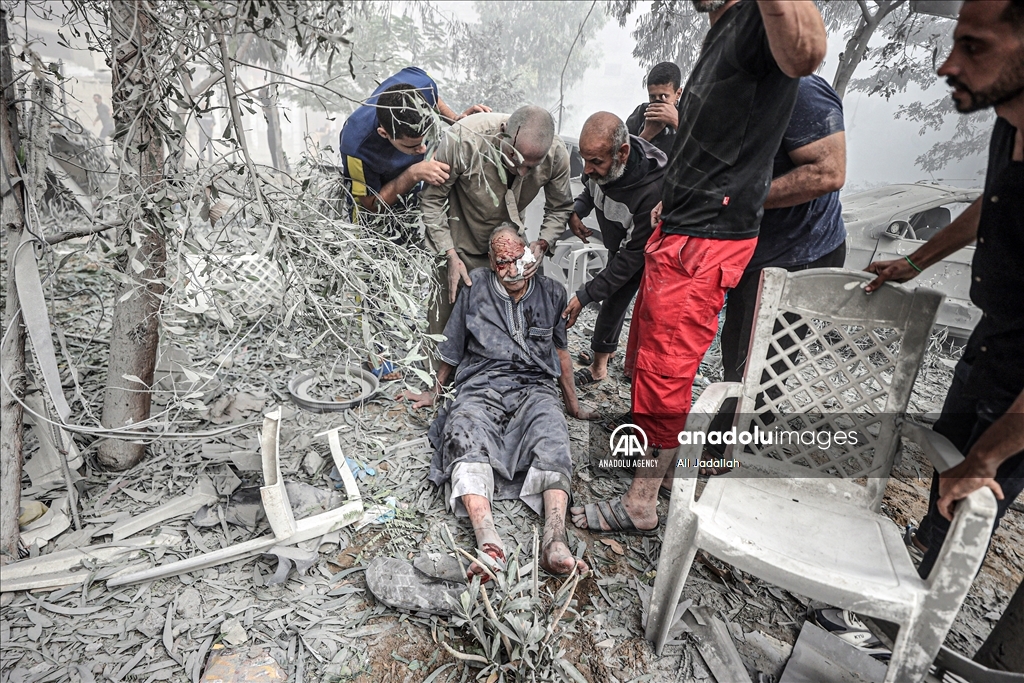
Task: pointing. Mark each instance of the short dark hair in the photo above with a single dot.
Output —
(665, 73)
(401, 111)
(1014, 15)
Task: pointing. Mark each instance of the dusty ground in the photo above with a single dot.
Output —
(324, 626)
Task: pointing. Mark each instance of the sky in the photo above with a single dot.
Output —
(880, 148)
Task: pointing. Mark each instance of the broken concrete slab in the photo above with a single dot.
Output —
(716, 646)
(820, 656)
(187, 504)
(56, 569)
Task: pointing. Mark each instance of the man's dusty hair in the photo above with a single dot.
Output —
(1014, 15)
(401, 112)
(531, 127)
(606, 126)
(501, 230)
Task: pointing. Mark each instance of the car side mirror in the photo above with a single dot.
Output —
(896, 230)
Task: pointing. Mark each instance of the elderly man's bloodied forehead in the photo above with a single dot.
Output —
(507, 247)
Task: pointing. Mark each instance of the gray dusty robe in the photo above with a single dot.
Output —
(504, 434)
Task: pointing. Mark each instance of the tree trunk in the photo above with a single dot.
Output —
(1004, 647)
(135, 332)
(12, 355)
(268, 100)
(857, 46)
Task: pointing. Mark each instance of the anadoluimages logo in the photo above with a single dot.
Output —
(627, 444)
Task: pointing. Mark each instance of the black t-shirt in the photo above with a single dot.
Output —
(996, 348)
(734, 111)
(802, 234)
(663, 140)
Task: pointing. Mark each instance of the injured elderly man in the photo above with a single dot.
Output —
(502, 434)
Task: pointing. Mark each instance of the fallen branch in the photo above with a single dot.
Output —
(464, 657)
(66, 235)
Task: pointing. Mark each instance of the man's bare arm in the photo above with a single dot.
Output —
(820, 169)
(1001, 441)
(447, 112)
(568, 386)
(952, 238)
(433, 172)
(796, 35)
(427, 398)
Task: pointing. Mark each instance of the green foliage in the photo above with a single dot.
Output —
(516, 629)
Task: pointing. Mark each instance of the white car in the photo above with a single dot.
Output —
(893, 221)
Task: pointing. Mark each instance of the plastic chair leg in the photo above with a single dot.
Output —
(677, 553)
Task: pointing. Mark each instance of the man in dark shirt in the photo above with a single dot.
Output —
(734, 112)
(623, 185)
(983, 414)
(802, 226)
(657, 119)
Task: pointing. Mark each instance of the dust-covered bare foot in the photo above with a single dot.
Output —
(555, 556)
(487, 539)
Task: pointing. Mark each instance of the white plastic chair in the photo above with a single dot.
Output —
(574, 263)
(825, 357)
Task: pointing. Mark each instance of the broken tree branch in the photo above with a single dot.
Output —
(236, 122)
(12, 353)
(66, 235)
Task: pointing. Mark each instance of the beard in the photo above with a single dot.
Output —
(1008, 86)
(707, 6)
(614, 173)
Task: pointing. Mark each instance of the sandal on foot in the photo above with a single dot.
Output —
(616, 517)
(584, 376)
(398, 584)
(585, 358)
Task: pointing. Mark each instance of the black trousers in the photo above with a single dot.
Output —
(965, 417)
(612, 316)
(739, 324)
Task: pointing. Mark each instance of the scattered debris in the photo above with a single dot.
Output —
(820, 656)
(716, 646)
(359, 386)
(229, 666)
(400, 585)
(278, 510)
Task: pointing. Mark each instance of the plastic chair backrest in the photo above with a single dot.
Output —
(825, 358)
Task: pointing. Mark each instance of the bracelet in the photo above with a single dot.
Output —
(912, 264)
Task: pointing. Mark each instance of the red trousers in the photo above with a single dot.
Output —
(675, 318)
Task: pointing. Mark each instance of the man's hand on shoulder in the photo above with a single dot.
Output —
(475, 109)
(430, 171)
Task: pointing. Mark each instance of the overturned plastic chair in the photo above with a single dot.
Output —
(825, 358)
(573, 263)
